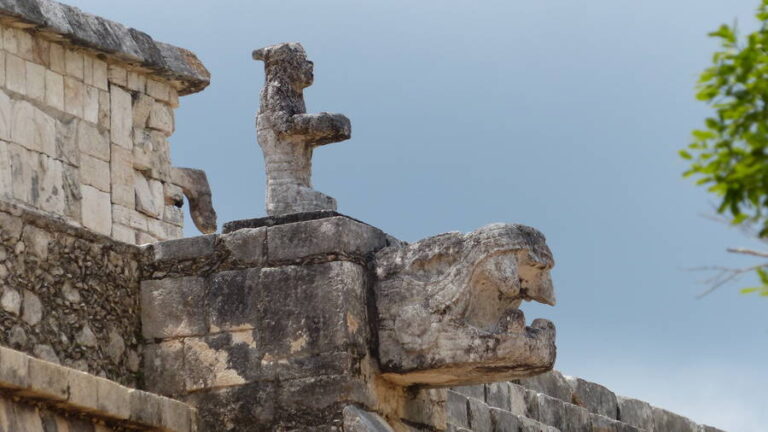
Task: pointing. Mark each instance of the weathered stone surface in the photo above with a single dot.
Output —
(248, 408)
(504, 421)
(498, 395)
(664, 420)
(33, 128)
(11, 300)
(111, 38)
(329, 236)
(96, 210)
(594, 397)
(552, 383)
(248, 246)
(173, 308)
(635, 413)
(287, 134)
(121, 116)
(184, 249)
(457, 409)
(358, 420)
(479, 415)
(164, 367)
(95, 172)
(194, 184)
(448, 304)
(149, 195)
(562, 415)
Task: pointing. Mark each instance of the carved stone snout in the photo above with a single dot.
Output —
(448, 307)
(194, 184)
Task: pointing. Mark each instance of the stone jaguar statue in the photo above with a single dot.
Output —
(448, 307)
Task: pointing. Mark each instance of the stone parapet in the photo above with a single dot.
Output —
(39, 396)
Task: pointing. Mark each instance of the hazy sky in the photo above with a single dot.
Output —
(560, 114)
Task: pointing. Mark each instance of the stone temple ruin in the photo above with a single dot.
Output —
(305, 320)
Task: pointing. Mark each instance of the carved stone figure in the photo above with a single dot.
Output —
(448, 307)
(194, 184)
(288, 135)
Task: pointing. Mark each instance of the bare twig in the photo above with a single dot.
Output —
(748, 252)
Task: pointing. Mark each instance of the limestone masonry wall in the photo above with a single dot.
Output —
(69, 296)
(86, 138)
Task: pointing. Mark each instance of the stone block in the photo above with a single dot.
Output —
(74, 96)
(233, 300)
(303, 401)
(158, 90)
(161, 118)
(95, 172)
(105, 119)
(143, 238)
(176, 416)
(221, 360)
(594, 397)
(25, 45)
(121, 116)
(185, 249)
(247, 245)
(35, 81)
(87, 70)
(173, 215)
(48, 380)
(144, 408)
(50, 184)
(551, 383)
(100, 74)
(149, 195)
(73, 61)
(309, 309)
(479, 415)
(498, 395)
(113, 400)
(91, 104)
(505, 421)
(151, 154)
(33, 129)
(163, 230)
(457, 409)
(15, 74)
(163, 367)
(37, 241)
(2, 69)
(599, 423)
(92, 142)
(118, 75)
(136, 81)
(128, 217)
(475, 391)
(57, 62)
(664, 420)
(359, 420)
(6, 180)
(122, 177)
(251, 404)
(123, 233)
(328, 236)
(24, 176)
(142, 106)
(14, 369)
(173, 308)
(11, 301)
(517, 404)
(82, 390)
(54, 90)
(96, 210)
(635, 413)
(6, 118)
(562, 415)
(72, 193)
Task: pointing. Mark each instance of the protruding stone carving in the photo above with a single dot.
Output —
(448, 307)
(287, 134)
(194, 184)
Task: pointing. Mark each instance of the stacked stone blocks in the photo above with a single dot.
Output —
(85, 137)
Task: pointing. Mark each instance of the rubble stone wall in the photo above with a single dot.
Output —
(68, 295)
(85, 138)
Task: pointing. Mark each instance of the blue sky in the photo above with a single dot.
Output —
(563, 115)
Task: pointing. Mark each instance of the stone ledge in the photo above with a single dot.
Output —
(70, 390)
(126, 45)
(56, 223)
